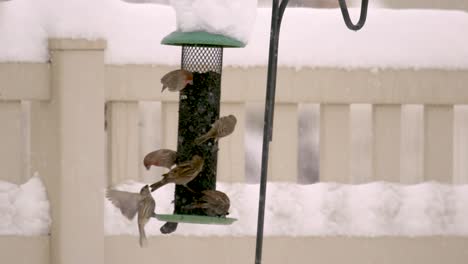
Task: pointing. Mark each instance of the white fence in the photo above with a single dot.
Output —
(414, 128)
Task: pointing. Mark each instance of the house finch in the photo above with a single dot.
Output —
(182, 174)
(162, 158)
(131, 203)
(221, 128)
(176, 80)
(214, 203)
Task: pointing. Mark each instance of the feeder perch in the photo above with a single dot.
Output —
(199, 104)
(195, 219)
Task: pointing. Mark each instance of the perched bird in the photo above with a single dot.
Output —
(176, 80)
(162, 158)
(182, 174)
(130, 203)
(214, 203)
(221, 128)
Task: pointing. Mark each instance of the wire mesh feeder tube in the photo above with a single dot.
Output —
(199, 106)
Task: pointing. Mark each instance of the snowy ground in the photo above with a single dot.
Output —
(309, 37)
(324, 209)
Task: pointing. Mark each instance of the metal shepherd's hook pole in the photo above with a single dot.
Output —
(362, 17)
(276, 17)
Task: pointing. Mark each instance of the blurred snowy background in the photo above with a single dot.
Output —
(133, 33)
(433, 4)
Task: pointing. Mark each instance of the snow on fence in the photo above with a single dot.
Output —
(55, 116)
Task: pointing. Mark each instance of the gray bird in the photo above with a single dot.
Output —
(161, 157)
(130, 203)
(221, 128)
(214, 203)
(176, 80)
(182, 174)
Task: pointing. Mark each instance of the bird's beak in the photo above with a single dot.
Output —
(147, 167)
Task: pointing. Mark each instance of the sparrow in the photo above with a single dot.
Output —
(214, 203)
(176, 80)
(132, 203)
(162, 158)
(220, 128)
(182, 174)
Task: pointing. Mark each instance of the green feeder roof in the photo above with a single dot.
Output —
(195, 219)
(178, 38)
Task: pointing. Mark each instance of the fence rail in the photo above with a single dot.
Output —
(390, 134)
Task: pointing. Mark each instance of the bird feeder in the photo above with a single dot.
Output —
(199, 108)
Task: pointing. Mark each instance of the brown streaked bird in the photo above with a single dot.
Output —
(182, 174)
(161, 158)
(146, 208)
(214, 203)
(130, 203)
(176, 80)
(221, 128)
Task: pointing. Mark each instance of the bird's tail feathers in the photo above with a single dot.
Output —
(201, 139)
(158, 184)
(143, 240)
(195, 206)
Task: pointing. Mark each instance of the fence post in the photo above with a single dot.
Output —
(438, 143)
(123, 142)
(67, 149)
(12, 168)
(335, 143)
(231, 159)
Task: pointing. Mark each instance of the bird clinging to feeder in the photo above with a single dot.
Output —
(176, 80)
(182, 174)
(213, 203)
(130, 203)
(221, 128)
(161, 158)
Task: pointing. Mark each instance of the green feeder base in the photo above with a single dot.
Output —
(195, 219)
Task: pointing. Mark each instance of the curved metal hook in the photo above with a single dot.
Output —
(347, 19)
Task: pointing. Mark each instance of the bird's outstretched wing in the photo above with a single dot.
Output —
(127, 202)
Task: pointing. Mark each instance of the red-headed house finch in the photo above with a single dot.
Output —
(213, 203)
(221, 128)
(131, 203)
(162, 158)
(176, 80)
(182, 174)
